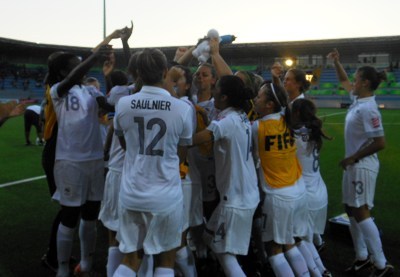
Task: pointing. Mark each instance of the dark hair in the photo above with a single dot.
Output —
(118, 78)
(151, 65)
(300, 77)
(189, 79)
(57, 62)
(304, 113)
(91, 80)
(277, 94)
(233, 87)
(252, 82)
(372, 75)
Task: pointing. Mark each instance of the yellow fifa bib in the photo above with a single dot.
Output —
(277, 152)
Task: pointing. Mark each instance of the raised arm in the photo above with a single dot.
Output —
(183, 55)
(125, 35)
(219, 63)
(173, 75)
(77, 74)
(108, 39)
(108, 67)
(340, 72)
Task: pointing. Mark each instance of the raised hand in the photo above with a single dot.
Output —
(109, 64)
(334, 55)
(125, 33)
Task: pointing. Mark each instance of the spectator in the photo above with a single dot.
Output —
(32, 118)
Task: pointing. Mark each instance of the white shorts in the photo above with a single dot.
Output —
(192, 204)
(152, 232)
(229, 230)
(358, 187)
(285, 219)
(187, 200)
(316, 222)
(196, 210)
(109, 206)
(203, 173)
(78, 182)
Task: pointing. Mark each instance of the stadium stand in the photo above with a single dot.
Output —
(381, 52)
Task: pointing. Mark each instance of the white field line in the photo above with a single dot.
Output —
(22, 181)
(332, 114)
(338, 123)
(42, 177)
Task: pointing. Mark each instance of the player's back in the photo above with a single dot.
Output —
(153, 124)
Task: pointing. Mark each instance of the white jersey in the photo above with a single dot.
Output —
(363, 123)
(209, 107)
(308, 155)
(236, 177)
(153, 124)
(34, 108)
(116, 93)
(300, 96)
(79, 137)
(194, 117)
(117, 154)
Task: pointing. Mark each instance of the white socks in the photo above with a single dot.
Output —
(230, 265)
(164, 272)
(185, 261)
(297, 262)
(312, 267)
(280, 266)
(87, 235)
(358, 240)
(124, 271)
(373, 241)
(65, 237)
(316, 257)
(114, 260)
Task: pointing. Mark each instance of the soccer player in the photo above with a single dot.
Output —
(364, 137)
(295, 84)
(78, 169)
(229, 228)
(308, 134)
(32, 117)
(109, 206)
(151, 125)
(193, 207)
(281, 180)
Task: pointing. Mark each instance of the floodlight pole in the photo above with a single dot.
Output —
(104, 19)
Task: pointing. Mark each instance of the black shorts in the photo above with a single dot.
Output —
(31, 118)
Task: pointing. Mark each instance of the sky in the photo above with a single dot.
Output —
(160, 23)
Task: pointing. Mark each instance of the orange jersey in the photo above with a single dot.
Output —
(277, 152)
(49, 116)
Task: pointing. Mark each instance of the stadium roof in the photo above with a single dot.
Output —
(349, 48)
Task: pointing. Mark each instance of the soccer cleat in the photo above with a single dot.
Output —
(387, 271)
(357, 266)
